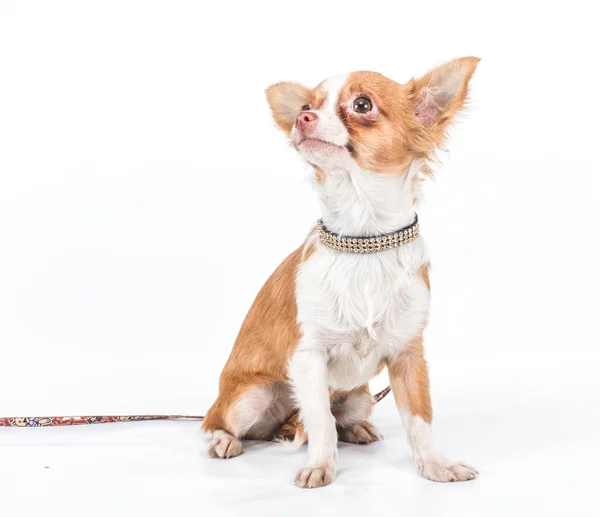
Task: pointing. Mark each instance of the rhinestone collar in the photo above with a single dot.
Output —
(369, 244)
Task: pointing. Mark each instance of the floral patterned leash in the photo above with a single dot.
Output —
(55, 421)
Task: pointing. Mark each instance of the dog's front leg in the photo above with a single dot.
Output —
(308, 373)
(410, 384)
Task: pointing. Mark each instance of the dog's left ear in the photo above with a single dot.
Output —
(286, 101)
(441, 93)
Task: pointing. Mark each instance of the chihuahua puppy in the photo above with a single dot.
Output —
(354, 297)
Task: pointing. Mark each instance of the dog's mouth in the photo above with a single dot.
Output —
(316, 144)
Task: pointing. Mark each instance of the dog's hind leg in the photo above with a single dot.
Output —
(352, 410)
(224, 445)
(256, 412)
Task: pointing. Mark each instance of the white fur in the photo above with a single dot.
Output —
(428, 460)
(308, 368)
(358, 308)
(333, 87)
(224, 445)
(260, 411)
(292, 445)
(420, 439)
(330, 127)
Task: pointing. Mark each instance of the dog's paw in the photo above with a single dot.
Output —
(363, 432)
(315, 476)
(445, 471)
(223, 445)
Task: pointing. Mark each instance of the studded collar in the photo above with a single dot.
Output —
(368, 244)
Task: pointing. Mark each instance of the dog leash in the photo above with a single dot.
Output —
(57, 421)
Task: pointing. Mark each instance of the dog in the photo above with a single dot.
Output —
(354, 297)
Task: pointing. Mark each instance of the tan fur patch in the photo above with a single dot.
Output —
(264, 344)
(381, 144)
(424, 274)
(337, 394)
(412, 118)
(441, 93)
(410, 380)
(319, 96)
(293, 429)
(319, 174)
(286, 101)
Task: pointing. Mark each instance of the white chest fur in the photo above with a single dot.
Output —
(361, 308)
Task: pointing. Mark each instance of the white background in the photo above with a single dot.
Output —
(142, 180)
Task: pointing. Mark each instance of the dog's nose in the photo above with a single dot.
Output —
(305, 118)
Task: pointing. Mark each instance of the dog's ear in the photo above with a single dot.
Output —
(441, 93)
(286, 101)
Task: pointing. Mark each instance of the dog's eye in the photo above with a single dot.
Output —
(306, 107)
(362, 105)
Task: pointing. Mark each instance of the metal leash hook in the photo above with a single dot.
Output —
(57, 421)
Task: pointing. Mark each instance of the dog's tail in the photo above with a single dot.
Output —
(291, 434)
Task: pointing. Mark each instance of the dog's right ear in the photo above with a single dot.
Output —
(286, 101)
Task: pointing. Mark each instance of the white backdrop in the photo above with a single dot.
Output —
(140, 176)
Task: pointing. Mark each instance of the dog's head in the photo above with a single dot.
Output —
(367, 120)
